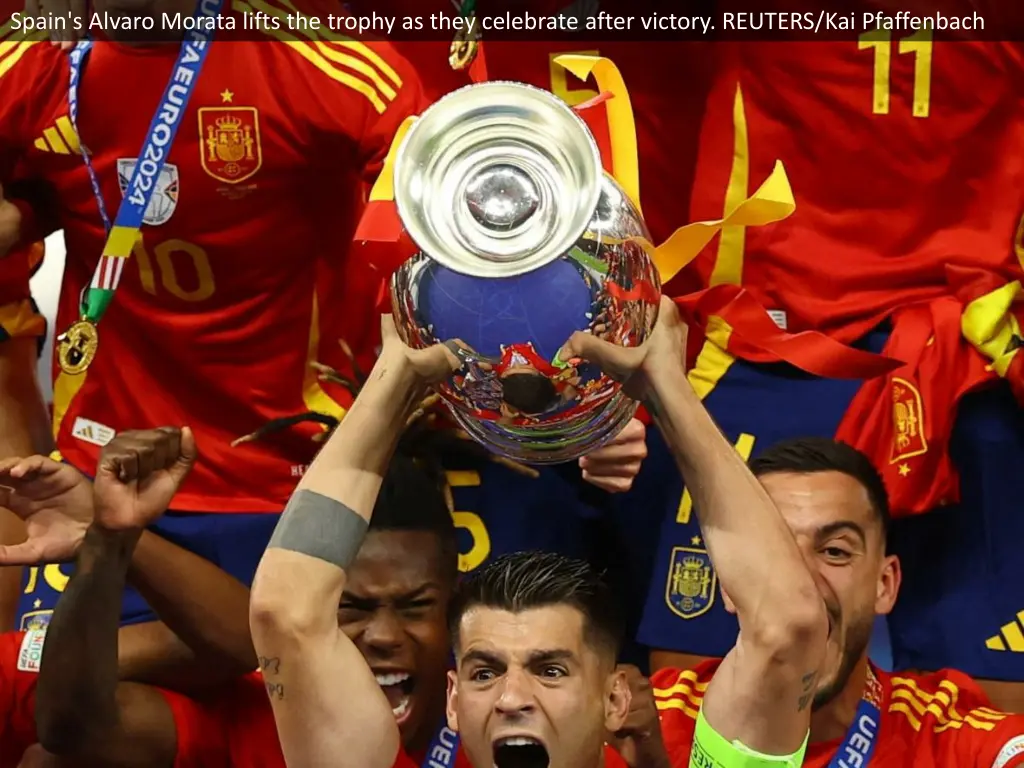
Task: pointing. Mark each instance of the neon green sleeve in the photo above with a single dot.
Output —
(710, 750)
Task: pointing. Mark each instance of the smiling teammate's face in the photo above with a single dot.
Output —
(843, 542)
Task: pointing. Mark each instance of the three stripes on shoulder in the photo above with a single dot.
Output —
(349, 62)
(354, 64)
(939, 710)
(14, 42)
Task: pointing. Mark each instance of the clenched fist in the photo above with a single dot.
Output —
(138, 475)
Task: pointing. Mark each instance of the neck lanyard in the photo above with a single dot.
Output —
(76, 347)
(859, 744)
(443, 749)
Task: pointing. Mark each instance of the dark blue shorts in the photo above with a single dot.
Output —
(235, 542)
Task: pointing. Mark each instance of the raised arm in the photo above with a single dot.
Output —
(80, 709)
(761, 694)
(328, 707)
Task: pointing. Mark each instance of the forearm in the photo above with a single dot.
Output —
(327, 704)
(348, 470)
(351, 466)
(739, 520)
(761, 693)
(150, 653)
(207, 608)
(76, 706)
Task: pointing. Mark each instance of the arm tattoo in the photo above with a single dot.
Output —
(808, 683)
(275, 691)
(269, 665)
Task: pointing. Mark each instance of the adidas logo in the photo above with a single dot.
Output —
(60, 138)
(92, 431)
(1010, 637)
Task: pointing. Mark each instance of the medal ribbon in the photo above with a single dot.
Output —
(859, 744)
(125, 229)
(443, 749)
(477, 67)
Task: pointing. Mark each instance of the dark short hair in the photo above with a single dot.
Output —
(807, 455)
(529, 392)
(411, 499)
(524, 580)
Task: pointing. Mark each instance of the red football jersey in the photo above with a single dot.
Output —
(905, 153)
(939, 720)
(236, 727)
(244, 273)
(20, 654)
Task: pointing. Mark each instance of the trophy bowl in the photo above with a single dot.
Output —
(522, 240)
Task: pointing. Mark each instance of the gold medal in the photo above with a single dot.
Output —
(464, 47)
(76, 347)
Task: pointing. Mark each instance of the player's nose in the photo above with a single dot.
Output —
(383, 633)
(516, 696)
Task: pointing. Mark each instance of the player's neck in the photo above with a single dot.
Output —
(833, 720)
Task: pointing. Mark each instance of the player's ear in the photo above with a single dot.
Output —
(616, 701)
(889, 578)
(730, 606)
(451, 704)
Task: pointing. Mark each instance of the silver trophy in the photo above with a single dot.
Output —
(523, 239)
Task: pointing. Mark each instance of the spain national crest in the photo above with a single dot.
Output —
(907, 421)
(692, 582)
(229, 140)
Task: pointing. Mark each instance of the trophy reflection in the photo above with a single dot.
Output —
(523, 240)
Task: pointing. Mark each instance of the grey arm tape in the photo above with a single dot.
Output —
(320, 527)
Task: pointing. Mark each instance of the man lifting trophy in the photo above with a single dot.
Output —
(523, 240)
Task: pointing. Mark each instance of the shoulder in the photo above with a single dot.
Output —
(949, 710)
(26, 57)
(678, 695)
(683, 689)
(373, 71)
(943, 701)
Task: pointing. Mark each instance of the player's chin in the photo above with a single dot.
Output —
(407, 716)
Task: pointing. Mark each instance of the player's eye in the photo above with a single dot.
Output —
(418, 606)
(553, 672)
(836, 553)
(482, 675)
(356, 606)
